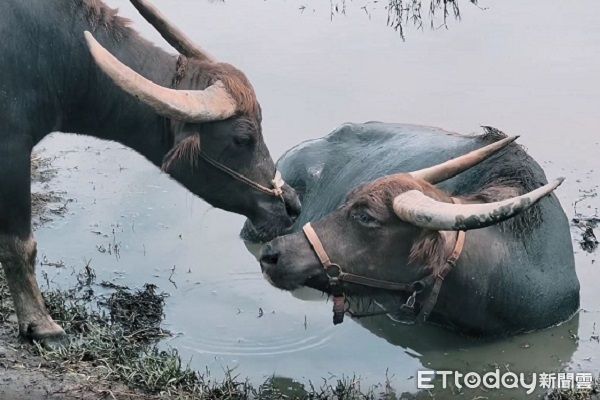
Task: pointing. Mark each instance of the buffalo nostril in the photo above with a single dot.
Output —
(292, 212)
(269, 256)
(270, 259)
(293, 209)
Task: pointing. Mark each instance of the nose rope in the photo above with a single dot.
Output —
(277, 181)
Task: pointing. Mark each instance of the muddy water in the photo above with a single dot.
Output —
(528, 68)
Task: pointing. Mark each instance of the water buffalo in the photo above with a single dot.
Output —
(379, 228)
(75, 66)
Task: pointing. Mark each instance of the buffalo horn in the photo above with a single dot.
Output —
(451, 168)
(170, 32)
(211, 104)
(420, 210)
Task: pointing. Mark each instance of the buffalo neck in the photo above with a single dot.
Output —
(103, 110)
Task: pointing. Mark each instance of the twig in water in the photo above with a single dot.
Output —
(171, 277)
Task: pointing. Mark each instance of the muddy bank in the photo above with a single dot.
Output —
(26, 376)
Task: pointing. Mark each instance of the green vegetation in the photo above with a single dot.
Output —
(117, 337)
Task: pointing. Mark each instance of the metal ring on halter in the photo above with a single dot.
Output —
(333, 271)
(419, 286)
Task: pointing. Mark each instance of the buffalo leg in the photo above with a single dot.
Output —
(17, 246)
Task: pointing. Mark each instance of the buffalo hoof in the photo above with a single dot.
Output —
(46, 332)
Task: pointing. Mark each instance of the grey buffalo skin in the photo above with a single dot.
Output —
(517, 275)
(55, 75)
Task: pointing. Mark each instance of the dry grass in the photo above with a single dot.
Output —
(119, 338)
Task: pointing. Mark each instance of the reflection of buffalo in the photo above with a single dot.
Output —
(512, 276)
(548, 350)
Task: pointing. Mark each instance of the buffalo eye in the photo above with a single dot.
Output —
(364, 218)
(243, 140)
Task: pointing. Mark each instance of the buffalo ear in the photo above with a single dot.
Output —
(428, 250)
(187, 150)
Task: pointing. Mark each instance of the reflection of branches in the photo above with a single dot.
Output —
(337, 7)
(404, 12)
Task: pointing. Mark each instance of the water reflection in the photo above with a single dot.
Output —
(531, 76)
(403, 13)
(440, 349)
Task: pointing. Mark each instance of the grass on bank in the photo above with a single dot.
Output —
(118, 336)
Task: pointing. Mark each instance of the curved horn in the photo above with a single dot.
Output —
(420, 210)
(170, 32)
(451, 168)
(211, 104)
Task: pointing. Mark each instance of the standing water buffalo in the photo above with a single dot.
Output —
(75, 66)
(378, 228)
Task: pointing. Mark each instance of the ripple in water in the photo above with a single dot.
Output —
(247, 335)
(251, 347)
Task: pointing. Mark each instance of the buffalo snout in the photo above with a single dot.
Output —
(288, 263)
(269, 256)
(292, 203)
(274, 217)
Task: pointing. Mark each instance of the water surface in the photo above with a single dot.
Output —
(528, 68)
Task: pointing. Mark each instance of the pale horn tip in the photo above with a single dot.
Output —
(559, 181)
(89, 38)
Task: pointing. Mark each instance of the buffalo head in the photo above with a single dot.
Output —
(213, 121)
(397, 228)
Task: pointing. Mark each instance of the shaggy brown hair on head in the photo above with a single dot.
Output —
(380, 195)
(187, 151)
(99, 15)
(428, 249)
(238, 86)
(193, 74)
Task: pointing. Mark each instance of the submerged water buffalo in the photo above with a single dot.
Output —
(378, 228)
(75, 66)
